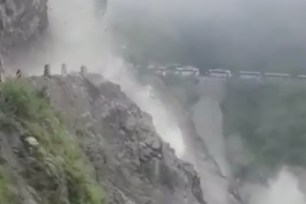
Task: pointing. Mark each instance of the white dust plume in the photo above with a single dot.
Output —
(77, 36)
(283, 189)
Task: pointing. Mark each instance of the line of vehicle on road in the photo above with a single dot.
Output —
(224, 74)
(221, 73)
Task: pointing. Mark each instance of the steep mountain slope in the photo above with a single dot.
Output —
(129, 158)
(101, 141)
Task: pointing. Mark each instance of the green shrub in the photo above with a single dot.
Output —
(18, 100)
(23, 108)
(7, 194)
(270, 118)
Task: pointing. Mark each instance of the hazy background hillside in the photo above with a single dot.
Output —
(237, 34)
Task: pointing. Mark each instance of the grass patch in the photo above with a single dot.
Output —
(24, 109)
(7, 194)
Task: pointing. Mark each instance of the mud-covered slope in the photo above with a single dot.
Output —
(129, 158)
(21, 20)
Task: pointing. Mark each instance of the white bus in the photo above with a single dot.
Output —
(219, 73)
(250, 75)
(277, 75)
(188, 71)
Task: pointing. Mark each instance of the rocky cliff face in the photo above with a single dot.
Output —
(118, 140)
(21, 20)
(129, 158)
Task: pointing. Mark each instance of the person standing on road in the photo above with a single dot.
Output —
(83, 70)
(47, 71)
(2, 69)
(64, 70)
(18, 74)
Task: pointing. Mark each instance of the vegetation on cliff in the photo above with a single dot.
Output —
(270, 118)
(51, 162)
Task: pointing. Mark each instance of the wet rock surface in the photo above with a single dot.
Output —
(130, 160)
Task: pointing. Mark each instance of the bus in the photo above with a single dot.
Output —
(219, 73)
(250, 75)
